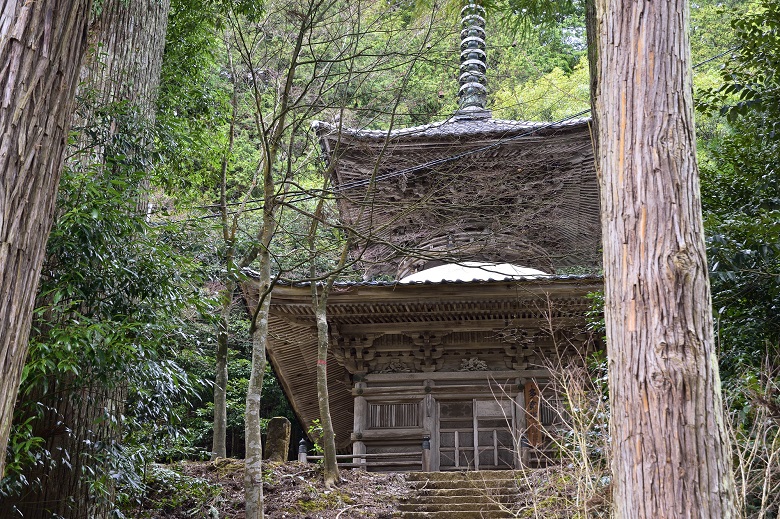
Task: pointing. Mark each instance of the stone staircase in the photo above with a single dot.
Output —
(460, 495)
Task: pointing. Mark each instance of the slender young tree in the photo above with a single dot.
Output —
(229, 231)
(319, 301)
(271, 135)
(41, 49)
(671, 454)
(300, 61)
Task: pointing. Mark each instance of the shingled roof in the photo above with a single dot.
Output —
(470, 188)
(468, 124)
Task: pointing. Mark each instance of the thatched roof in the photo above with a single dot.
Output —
(468, 188)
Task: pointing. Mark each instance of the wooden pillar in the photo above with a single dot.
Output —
(431, 425)
(475, 434)
(521, 444)
(359, 426)
(533, 398)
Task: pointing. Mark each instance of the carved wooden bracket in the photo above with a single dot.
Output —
(427, 350)
(354, 352)
(533, 414)
(519, 348)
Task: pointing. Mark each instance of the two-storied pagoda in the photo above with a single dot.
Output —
(475, 218)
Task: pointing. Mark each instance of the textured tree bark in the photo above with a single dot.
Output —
(253, 460)
(271, 140)
(591, 33)
(122, 64)
(671, 456)
(75, 420)
(218, 446)
(330, 466)
(41, 48)
(319, 301)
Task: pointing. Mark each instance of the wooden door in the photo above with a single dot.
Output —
(456, 435)
(482, 426)
(495, 433)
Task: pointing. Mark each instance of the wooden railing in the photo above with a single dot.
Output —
(420, 460)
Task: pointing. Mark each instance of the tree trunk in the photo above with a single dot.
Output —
(319, 301)
(41, 48)
(271, 139)
(219, 447)
(671, 456)
(330, 466)
(77, 428)
(123, 65)
(229, 229)
(591, 33)
(253, 459)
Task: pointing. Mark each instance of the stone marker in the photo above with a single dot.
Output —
(278, 441)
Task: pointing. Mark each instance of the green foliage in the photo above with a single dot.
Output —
(315, 433)
(536, 15)
(197, 411)
(751, 80)
(193, 103)
(113, 303)
(166, 491)
(551, 97)
(595, 314)
(741, 193)
(25, 450)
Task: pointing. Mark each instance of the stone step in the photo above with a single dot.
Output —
(429, 507)
(460, 495)
(493, 493)
(481, 475)
(458, 514)
(456, 501)
(465, 484)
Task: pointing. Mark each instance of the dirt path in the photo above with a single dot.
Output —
(292, 490)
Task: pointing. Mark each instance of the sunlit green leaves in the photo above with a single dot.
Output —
(551, 97)
(751, 79)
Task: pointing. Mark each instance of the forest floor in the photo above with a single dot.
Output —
(291, 490)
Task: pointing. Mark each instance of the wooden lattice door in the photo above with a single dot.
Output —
(476, 435)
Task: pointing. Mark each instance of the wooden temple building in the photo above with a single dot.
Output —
(480, 230)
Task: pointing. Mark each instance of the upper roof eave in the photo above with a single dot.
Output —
(450, 128)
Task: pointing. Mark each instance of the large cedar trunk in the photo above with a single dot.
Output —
(80, 419)
(123, 64)
(671, 456)
(41, 48)
(78, 431)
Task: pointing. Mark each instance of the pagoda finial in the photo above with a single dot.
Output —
(473, 60)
